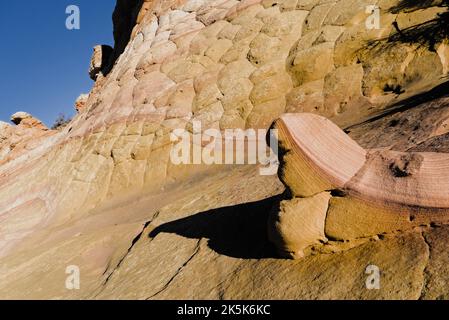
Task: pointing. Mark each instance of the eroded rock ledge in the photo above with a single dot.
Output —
(341, 191)
(27, 133)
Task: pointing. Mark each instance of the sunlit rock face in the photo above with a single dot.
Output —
(103, 195)
(26, 134)
(340, 191)
(80, 102)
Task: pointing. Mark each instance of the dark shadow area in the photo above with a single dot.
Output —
(238, 231)
(107, 53)
(124, 19)
(429, 33)
(413, 5)
(438, 92)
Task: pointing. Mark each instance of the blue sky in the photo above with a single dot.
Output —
(44, 66)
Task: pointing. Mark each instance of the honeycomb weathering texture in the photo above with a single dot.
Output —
(102, 194)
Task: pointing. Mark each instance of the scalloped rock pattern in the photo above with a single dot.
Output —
(102, 194)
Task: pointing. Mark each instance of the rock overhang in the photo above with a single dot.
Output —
(371, 192)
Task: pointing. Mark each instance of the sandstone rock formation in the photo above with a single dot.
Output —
(103, 195)
(20, 116)
(343, 192)
(100, 61)
(18, 140)
(80, 102)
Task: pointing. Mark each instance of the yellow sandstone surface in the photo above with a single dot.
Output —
(103, 195)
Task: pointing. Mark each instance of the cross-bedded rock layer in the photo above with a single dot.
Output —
(83, 196)
(343, 192)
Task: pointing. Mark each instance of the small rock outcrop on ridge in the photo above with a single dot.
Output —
(27, 134)
(100, 61)
(80, 102)
(26, 120)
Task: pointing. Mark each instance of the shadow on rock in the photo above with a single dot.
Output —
(428, 34)
(412, 5)
(124, 19)
(238, 231)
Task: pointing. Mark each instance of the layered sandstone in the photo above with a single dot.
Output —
(102, 194)
(27, 134)
(347, 192)
(80, 102)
